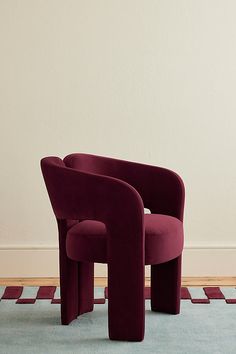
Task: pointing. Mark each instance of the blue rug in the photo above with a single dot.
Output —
(208, 328)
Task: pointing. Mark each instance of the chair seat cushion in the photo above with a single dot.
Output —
(87, 240)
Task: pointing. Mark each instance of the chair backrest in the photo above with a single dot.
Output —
(161, 189)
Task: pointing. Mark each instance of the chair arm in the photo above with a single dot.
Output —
(161, 189)
(78, 195)
(163, 192)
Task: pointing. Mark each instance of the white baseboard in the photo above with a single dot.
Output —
(42, 261)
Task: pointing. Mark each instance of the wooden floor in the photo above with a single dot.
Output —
(186, 281)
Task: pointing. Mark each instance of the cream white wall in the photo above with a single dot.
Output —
(143, 80)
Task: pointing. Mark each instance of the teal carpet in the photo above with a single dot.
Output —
(200, 328)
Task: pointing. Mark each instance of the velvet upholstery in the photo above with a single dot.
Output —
(87, 240)
(99, 206)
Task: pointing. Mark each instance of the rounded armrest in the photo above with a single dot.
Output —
(163, 192)
(78, 195)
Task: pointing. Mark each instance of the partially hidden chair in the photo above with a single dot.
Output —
(99, 206)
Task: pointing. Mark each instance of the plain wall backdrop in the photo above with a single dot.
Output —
(142, 80)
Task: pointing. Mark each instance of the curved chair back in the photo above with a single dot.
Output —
(161, 189)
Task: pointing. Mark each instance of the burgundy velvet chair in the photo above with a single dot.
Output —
(99, 206)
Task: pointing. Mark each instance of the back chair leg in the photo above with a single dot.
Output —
(85, 287)
(69, 290)
(68, 279)
(166, 286)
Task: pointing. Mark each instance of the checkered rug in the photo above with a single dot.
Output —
(197, 295)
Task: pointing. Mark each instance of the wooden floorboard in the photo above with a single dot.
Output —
(186, 281)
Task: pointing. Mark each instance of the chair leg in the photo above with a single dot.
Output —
(76, 290)
(85, 287)
(69, 291)
(166, 286)
(68, 279)
(76, 282)
(126, 303)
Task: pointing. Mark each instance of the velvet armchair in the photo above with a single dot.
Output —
(99, 207)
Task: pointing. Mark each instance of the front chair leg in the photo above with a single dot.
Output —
(126, 303)
(166, 286)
